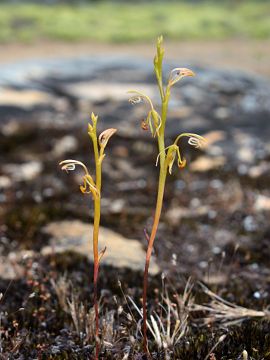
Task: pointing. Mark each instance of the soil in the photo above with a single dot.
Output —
(214, 227)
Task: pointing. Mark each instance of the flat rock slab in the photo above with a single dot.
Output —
(77, 236)
(26, 99)
(101, 91)
(232, 102)
(9, 267)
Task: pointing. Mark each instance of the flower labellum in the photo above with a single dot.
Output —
(134, 100)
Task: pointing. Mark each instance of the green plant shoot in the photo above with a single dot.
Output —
(91, 186)
(167, 156)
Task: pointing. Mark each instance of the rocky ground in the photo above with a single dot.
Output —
(214, 226)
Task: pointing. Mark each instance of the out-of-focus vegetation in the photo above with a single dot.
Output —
(142, 21)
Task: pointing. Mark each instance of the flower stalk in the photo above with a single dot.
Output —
(166, 155)
(94, 187)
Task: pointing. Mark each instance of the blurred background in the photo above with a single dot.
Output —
(230, 33)
(61, 60)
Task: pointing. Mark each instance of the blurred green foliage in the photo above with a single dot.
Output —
(122, 22)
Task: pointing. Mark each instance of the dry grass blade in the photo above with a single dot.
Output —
(61, 287)
(225, 313)
(169, 328)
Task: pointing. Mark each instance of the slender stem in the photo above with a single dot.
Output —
(95, 239)
(160, 87)
(161, 187)
(159, 202)
(96, 268)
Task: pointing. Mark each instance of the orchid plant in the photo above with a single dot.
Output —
(167, 156)
(91, 186)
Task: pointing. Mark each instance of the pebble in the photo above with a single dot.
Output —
(250, 224)
(67, 144)
(77, 236)
(23, 172)
(259, 170)
(5, 182)
(262, 203)
(222, 113)
(26, 99)
(206, 163)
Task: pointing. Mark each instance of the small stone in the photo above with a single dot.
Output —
(216, 184)
(245, 154)
(242, 169)
(117, 206)
(23, 172)
(223, 237)
(262, 203)
(26, 99)
(10, 129)
(249, 224)
(195, 203)
(193, 93)
(175, 214)
(121, 151)
(259, 170)
(77, 236)
(213, 137)
(203, 264)
(222, 113)
(102, 91)
(257, 295)
(66, 144)
(5, 182)
(181, 112)
(217, 279)
(10, 269)
(215, 150)
(212, 214)
(206, 163)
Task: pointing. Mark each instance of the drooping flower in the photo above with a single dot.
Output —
(173, 151)
(153, 119)
(89, 185)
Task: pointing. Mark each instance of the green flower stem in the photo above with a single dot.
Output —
(160, 87)
(95, 238)
(160, 195)
(166, 160)
(94, 187)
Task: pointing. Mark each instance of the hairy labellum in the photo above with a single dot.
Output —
(136, 100)
(70, 165)
(195, 142)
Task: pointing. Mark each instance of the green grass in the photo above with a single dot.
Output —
(116, 22)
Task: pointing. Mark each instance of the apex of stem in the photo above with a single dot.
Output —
(92, 127)
(159, 57)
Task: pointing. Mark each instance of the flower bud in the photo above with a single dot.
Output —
(94, 118)
(144, 125)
